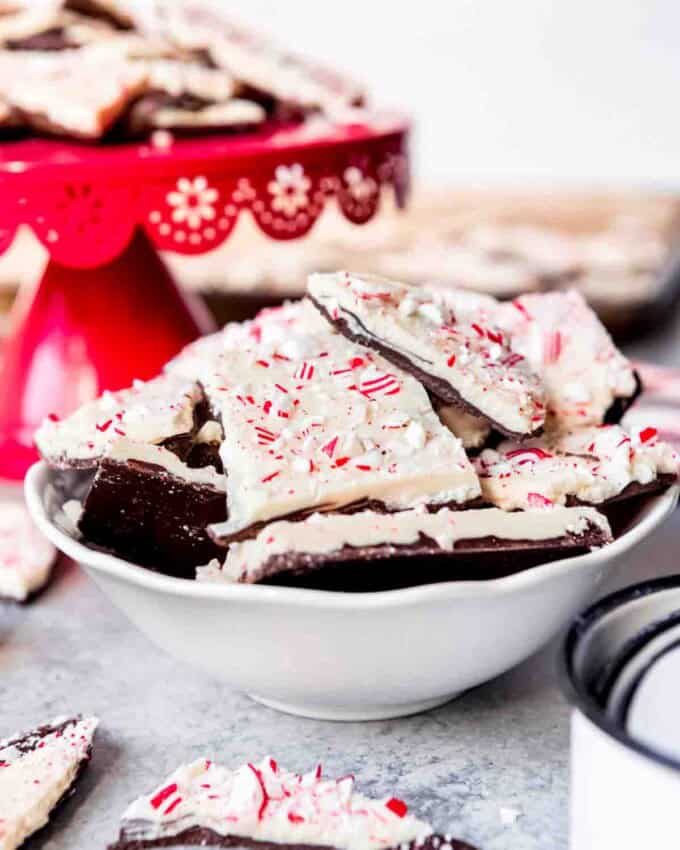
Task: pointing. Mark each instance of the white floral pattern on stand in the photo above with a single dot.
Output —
(289, 189)
(193, 202)
(359, 185)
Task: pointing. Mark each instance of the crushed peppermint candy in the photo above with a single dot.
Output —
(38, 769)
(147, 412)
(264, 802)
(306, 420)
(564, 341)
(460, 355)
(590, 465)
(326, 425)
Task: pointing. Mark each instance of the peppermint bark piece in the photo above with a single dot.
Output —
(461, 361)
(186, 95)
(144, 463)
(38, 770)
(313, 422)
(593, 466)
(161, 411)
(365, 538)
(49, 30)
(588, 380)
(26, 557)
(187, 114)
(75, 93)
(265, 806)
(286, 83)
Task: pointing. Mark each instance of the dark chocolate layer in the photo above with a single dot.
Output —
(51, 40)
(360, 568)
(139, 118)
(439, 388)
(26, 742)
(144, 514)
(662, 482)
(620, 404)
(131, 838)
(101, 11)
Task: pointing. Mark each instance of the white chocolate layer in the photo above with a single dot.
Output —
(470, 356)
(33, 782)
(272, 329)
(26, 557)
(471, 430)
(124, 451)
(231, 113)
(266, 803)
(323, 534)
(589, 464)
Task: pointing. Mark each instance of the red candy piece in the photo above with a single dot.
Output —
(539, 453)
(647, 434)
(163, 795)
(536, 500)
(397, 806)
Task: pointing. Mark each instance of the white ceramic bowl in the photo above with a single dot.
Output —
(349, 656)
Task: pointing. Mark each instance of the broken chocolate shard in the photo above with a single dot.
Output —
(365, 538)
(313, 422)
(47, 89)
(38, 771)
(167, 410)
(461, 361)
(188, 114)
(593, 465)
(202, 837)
(262, 806)
(154, 517)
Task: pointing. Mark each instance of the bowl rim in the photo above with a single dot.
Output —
(657, 511)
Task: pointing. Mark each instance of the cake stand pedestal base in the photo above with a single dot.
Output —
(81, 331)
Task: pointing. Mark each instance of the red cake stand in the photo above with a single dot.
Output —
(107, 310)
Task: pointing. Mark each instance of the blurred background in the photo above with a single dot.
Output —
(569, 93)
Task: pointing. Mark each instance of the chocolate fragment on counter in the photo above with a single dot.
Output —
(58, 753)
(198, 836)
(285, 810)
